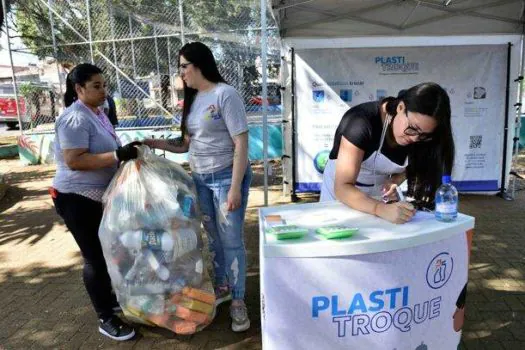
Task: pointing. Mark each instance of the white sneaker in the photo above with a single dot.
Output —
(239, 315)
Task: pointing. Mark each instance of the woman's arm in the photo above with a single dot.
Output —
(348, 165)
(170, 145)
(240, 162)
(240, 158)
(81, 159)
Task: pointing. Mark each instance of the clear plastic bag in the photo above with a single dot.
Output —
(150, 235)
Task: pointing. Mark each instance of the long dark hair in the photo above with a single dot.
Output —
(200, 56)
(78, 75)
(427, 161)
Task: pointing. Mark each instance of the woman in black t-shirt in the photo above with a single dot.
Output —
(378, 145)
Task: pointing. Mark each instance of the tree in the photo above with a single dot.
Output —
(229, 27)
(4, 13)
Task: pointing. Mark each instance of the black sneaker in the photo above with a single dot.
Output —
(114, 328)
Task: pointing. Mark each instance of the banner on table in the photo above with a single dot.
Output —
(370, 301)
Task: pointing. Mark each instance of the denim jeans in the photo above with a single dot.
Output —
(226, 237)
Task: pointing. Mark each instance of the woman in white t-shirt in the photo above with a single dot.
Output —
(215, 133)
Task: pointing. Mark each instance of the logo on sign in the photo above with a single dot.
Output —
(374, 312)
(396, 65)
(318, 95)
(346, 95)
(480, 93)
(380, 94)
(439, 270)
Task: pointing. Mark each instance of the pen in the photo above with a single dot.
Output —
(400, 194)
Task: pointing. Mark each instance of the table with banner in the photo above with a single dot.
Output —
(385, 287)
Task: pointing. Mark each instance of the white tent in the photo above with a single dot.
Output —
(327, 42)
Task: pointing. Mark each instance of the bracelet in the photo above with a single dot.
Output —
(115, 155)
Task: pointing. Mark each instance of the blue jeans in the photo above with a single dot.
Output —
(226, 238)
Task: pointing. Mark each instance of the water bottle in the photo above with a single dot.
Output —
(154, 240)
(446, 201)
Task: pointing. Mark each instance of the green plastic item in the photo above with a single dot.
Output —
(287, 231)
(336, 232)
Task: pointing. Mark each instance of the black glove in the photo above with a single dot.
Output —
(128, 151)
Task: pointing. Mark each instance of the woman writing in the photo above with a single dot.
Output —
(378, 145)
(215, 132)
(88, 152)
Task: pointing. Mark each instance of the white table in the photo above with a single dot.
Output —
(387, 287)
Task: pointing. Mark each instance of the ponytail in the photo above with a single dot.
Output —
(71, 95)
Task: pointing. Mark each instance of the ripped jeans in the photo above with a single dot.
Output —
(226, 237)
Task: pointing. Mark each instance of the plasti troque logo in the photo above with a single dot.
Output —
(439, 270)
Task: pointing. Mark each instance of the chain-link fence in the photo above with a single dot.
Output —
(136, 43)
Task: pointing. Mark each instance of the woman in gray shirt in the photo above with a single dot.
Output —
(215, 133)
(87, 152)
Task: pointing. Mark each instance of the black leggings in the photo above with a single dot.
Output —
(82, 217)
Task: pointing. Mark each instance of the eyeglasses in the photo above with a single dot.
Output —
(412, 131)
(184, 65)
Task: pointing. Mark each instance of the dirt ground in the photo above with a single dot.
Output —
(43, 303)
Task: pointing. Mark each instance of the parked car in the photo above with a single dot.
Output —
(274, 95)
(37, 107)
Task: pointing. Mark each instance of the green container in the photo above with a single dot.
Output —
(336, 232)
(287, 231)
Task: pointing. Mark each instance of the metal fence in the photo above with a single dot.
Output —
(136, 43)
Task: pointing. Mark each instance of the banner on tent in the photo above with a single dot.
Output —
(330, 81)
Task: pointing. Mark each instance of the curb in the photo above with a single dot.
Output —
(8, 151)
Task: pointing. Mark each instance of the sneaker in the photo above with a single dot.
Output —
(222, 294)
(117, 309)
(239, 315)
(114, 328)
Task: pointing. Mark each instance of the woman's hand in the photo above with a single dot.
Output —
(389, 191)
(128, 152)
(397, 213)
(234, 199)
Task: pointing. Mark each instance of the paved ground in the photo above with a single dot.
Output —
(43, 303)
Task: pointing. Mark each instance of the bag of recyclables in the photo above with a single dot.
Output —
(150, 235)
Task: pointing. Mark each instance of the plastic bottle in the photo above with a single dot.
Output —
(154, 240)
(446, 201)
(185, 241)
(159, 269)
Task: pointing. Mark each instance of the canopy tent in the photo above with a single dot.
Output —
(352, 18)
(306, 26)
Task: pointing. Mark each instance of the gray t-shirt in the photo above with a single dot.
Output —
(78, 127)
(216, 116)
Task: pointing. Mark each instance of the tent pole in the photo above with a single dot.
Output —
(518, 105)
(294, 171)
(264, 68)
(503, 191)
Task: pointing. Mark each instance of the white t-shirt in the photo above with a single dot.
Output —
(216, 116)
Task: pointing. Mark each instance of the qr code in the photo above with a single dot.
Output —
(475, 141)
